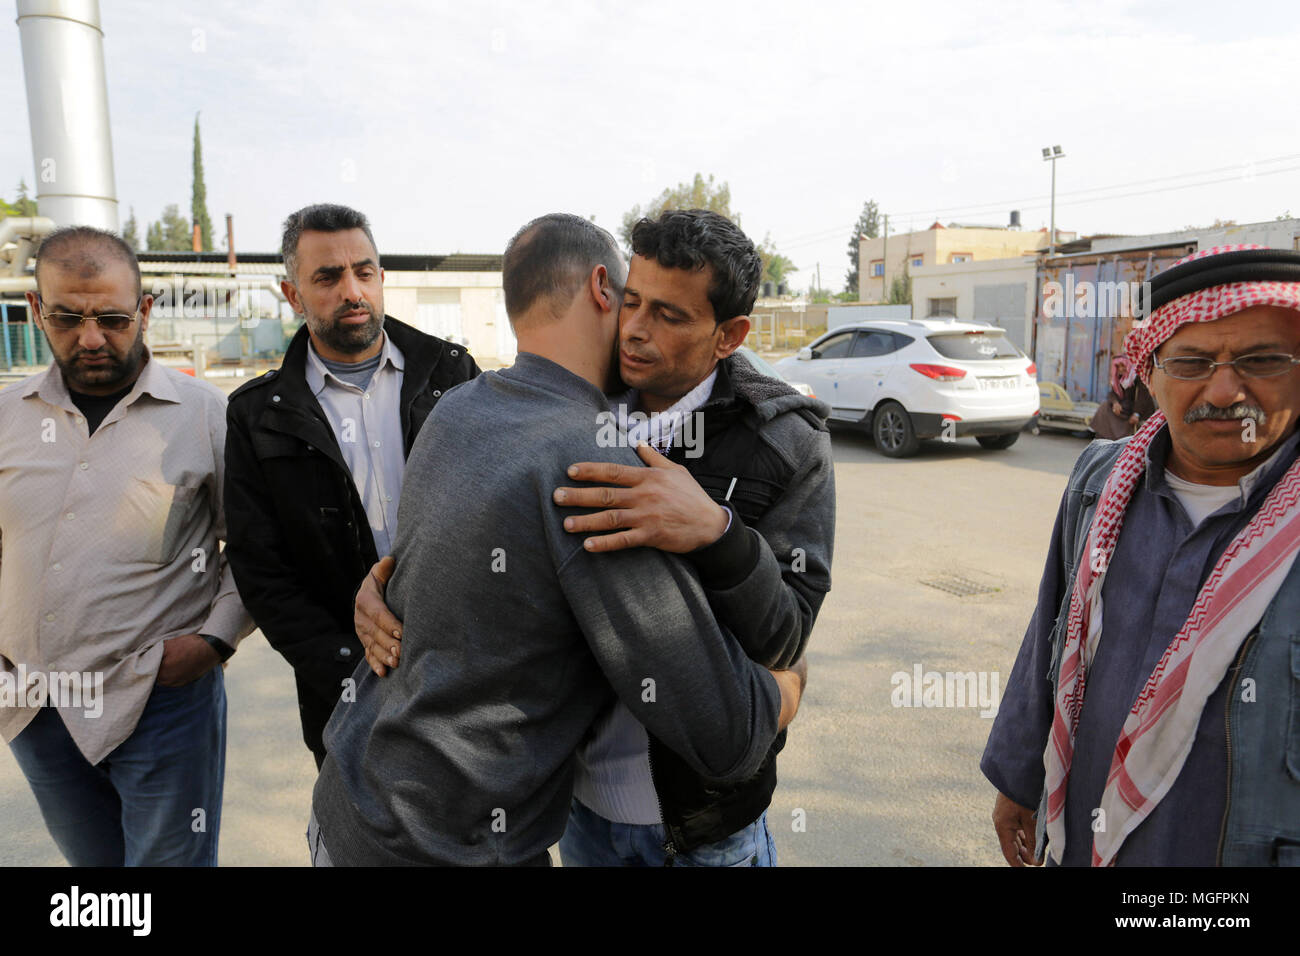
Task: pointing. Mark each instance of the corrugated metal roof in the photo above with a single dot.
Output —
(215, 262)
(161, 267)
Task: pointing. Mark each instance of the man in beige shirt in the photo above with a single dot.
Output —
(116, 604)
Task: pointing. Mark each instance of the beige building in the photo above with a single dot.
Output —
(467, 307)
(998, 291)
(881, 260)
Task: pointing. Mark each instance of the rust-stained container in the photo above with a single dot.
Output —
(1083, 310)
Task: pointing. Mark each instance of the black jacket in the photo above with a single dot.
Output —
(299, 541)
(765, 578)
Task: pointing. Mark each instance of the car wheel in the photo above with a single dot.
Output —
(891, 427)
(998, 441)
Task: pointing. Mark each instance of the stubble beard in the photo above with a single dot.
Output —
(349, 339)
(116, 371)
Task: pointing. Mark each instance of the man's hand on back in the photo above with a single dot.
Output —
(657, 507)
(380, 633)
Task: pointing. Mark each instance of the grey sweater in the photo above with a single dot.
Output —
(514, 641)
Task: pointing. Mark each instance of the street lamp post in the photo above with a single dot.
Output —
(1052, 154)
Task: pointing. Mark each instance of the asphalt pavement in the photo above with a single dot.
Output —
(862, 781)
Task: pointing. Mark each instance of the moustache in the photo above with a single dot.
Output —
(1241, 410)
(354, 307)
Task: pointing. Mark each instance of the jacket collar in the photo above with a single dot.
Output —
(293, 408)
(542, 372)
(316, 372)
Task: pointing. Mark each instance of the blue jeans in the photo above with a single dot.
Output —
(591, 840)
(154, 801)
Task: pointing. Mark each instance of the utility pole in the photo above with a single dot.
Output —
(1052, 154)
(884, 264)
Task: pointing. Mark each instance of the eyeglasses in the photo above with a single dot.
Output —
(1262, 365)
(109, 322)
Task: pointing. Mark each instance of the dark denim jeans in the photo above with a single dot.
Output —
(154, 801)
(591, 840)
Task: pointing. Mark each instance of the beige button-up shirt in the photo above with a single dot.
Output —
(108, 547)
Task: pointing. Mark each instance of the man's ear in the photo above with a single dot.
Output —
(34, 305)
(601, 291)
(146, 308)
(291, 293)
(734, 332)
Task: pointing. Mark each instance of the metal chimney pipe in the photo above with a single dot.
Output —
(230, 243)
(67, 108)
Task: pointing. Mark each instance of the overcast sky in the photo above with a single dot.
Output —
(452, 123)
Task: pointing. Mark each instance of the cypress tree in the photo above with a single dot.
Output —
(199, 203)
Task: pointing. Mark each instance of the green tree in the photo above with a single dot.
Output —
(868, 225)
(701, 193)
(199, 200)
(24, 205)
(131, 232)
(171, 233)
(776, 267)
(900, 290)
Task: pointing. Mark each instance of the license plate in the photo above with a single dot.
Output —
(989, 384)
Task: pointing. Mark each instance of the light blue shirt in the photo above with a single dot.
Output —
(368, 425)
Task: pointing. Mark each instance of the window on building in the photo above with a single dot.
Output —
(918, 261)
(877, 268)
(945, 308)
(961, 257)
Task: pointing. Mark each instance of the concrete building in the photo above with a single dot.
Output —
(998, 291)
(882, 259)
(244, 315)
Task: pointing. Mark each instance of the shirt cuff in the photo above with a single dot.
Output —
(729, 560)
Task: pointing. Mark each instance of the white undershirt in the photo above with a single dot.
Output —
(1201, 501)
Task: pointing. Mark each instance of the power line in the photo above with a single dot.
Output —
(1035, 203)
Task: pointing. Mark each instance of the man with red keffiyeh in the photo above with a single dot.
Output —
(1153, 713)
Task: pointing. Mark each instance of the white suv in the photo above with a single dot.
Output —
(924, 378)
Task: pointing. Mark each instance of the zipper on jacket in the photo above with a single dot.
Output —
(670, 848)
(1227, 735)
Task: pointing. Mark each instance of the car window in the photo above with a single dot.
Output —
(870, 344)
(837, 346)
(974, 346)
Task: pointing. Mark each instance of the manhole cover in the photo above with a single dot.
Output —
(962, 587)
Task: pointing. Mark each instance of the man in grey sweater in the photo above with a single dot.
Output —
(516, 637)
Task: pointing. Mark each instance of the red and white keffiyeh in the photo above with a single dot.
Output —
(1161, 728)
(1205, 305)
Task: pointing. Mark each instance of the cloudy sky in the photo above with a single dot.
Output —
(452, 123)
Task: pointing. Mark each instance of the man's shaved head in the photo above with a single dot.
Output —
(550, 258)
(84, 251)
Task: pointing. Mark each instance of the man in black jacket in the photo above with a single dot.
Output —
(746, 494)
(316, 449)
